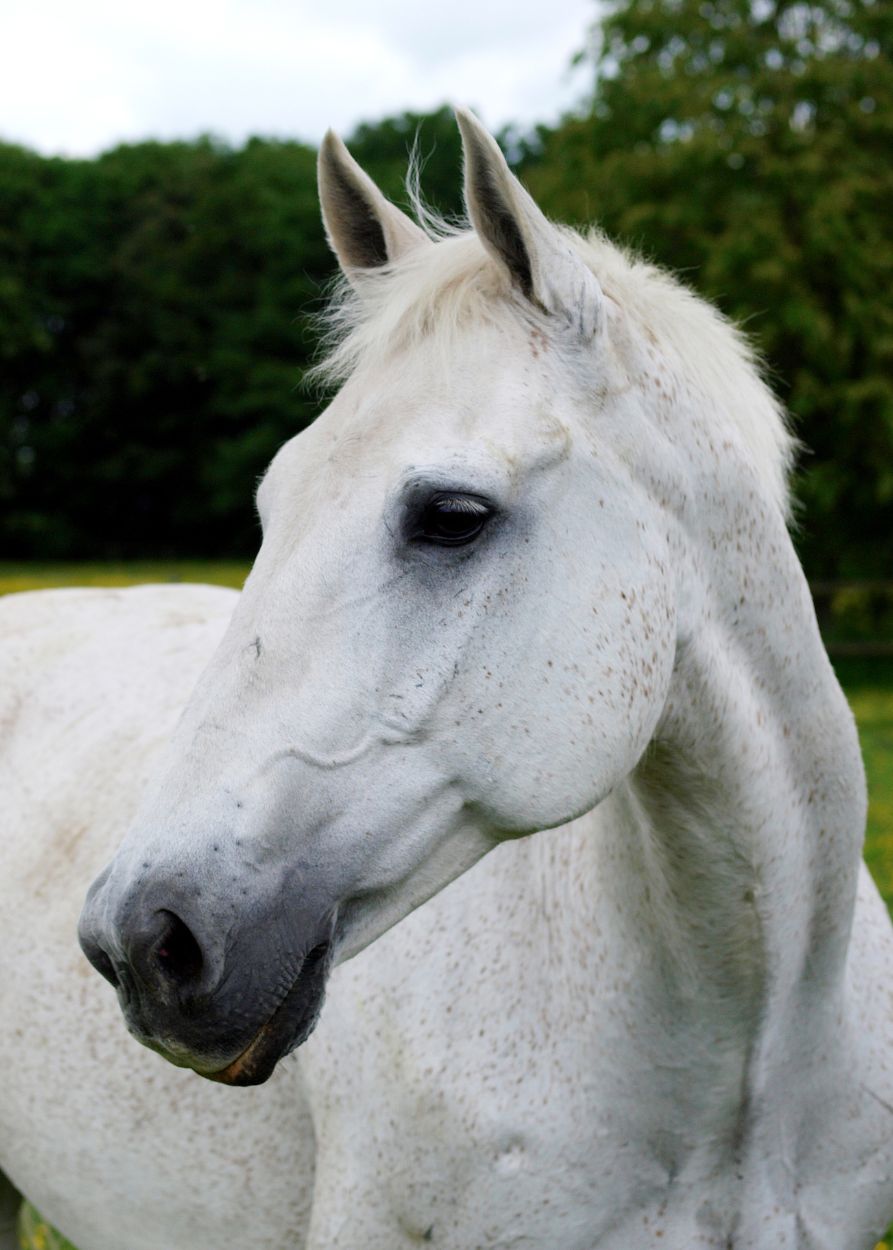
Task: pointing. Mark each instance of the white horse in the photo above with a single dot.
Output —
(529, 571)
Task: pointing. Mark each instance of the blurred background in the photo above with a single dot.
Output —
(161, 254)
(162, 259)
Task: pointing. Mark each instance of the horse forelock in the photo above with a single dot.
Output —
(432, 294)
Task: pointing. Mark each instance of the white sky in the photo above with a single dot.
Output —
(77, 76)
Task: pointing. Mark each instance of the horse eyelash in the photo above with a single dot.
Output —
(460, 503)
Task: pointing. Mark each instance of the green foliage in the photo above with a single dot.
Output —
(36, 1234)
(746, 143)
(156, 303)
(156, 317)
(157, 293)
(382, 149)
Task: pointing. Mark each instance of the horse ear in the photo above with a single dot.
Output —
(364, 229)
(539, 257)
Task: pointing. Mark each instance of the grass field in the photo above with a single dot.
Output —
(869, 687)
(15, 577)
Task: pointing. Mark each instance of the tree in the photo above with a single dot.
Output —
(153, 316)
(156, 317)
(746, 143)
(383, 149)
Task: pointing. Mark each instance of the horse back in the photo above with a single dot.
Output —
(91, 685)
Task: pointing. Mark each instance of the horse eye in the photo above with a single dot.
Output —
(452, 520)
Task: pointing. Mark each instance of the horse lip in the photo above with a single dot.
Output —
(290, 1024)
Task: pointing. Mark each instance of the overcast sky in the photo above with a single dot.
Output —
(77, 76)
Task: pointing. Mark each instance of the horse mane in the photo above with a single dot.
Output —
(432, 293)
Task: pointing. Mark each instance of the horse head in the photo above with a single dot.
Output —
(460, 626)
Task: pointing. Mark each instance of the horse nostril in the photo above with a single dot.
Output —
(95, 951)
(178, 954)
(101, 962)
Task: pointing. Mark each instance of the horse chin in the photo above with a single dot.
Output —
(287, 1028)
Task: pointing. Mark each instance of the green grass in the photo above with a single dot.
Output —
(869, 688)
(35, 1234)
(15, 577)
(868, 684)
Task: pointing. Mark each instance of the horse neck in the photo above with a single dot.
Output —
(739, 831)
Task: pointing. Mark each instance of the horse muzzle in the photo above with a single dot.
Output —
(225, 997)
